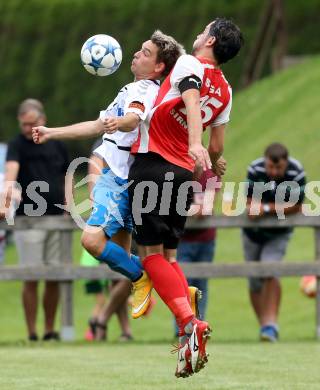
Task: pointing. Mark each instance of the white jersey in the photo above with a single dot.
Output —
(139, 98)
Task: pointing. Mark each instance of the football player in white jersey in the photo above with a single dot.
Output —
(108, 232)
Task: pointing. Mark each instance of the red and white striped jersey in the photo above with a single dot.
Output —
(165, 129)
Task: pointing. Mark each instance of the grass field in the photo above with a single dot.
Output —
(238, 360)
(232, 366)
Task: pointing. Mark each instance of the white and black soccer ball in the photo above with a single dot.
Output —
(101, 55)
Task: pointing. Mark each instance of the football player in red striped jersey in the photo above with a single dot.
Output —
(195, 96)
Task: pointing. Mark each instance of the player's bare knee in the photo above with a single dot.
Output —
(170, 255)
(91, 243)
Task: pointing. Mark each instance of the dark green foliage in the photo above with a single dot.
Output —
(40, 43)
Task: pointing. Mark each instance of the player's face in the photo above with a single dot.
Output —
(29, 120)
(276, 170)
(201, 38)
(144, 61)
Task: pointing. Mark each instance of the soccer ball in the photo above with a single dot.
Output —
(308, 286)
(101, 55)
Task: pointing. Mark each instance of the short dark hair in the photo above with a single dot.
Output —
(276, 152)
(169, 50)
(229, 39)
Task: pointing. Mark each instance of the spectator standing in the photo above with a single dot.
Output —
(27, 163)
(270, 244)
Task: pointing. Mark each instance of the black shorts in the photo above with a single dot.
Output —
(162, 220)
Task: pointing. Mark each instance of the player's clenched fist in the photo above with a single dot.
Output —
(40, 134)
(110, 125)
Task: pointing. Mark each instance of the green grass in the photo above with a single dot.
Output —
(240, 366)
(282, 108)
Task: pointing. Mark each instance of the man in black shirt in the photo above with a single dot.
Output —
(284, 182)
(39, 171)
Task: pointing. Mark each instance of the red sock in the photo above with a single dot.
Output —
(183, 279)
(168, 285)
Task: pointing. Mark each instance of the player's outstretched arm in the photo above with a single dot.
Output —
(42, 134)
(191, 99)
(124, 123)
